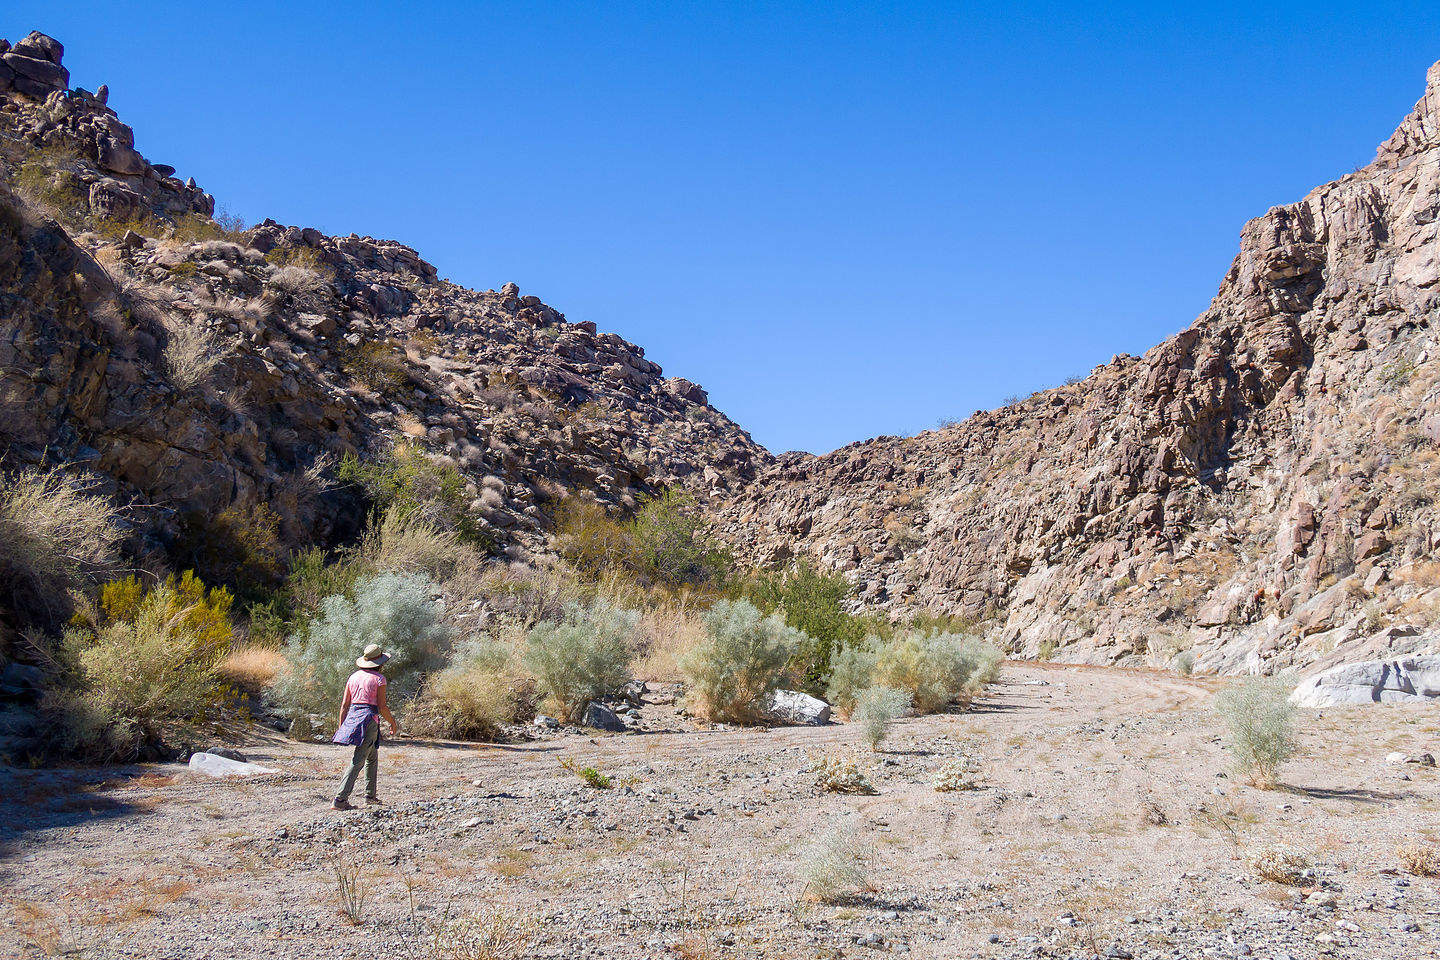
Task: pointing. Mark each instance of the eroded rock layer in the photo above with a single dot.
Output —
(1258, 488)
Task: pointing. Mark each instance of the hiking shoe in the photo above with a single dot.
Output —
(342, 805)
(374, 802)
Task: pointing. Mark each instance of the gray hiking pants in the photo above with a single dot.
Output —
(367, 755)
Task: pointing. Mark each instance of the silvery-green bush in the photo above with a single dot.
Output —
(733, 671)
(877, 708)
(1260, 718)
(836, 864)
(400, 612)
(852, 670)
(582, 656)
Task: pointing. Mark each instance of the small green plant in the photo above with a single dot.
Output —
(833, 866)
(1184, 663)
(1047, 649)
(672, 544)
(733, 671)
(876, 709)
(937, 669)
(1260, 718)
(839, 774)
(593, 778)
(582, 656)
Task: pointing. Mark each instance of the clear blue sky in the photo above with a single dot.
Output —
(843, 219)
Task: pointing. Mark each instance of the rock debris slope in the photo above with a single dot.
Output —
(117, 286)
(1259, 489)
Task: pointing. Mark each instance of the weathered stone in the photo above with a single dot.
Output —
(1404, 680)
(792, 706)
(597, 716)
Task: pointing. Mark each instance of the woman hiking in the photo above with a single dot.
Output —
(359, 724)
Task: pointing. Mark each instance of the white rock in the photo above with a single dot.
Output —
(792, 706)
(214, 766)
(1403, 680)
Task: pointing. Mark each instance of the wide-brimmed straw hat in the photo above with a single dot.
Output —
(372, 657)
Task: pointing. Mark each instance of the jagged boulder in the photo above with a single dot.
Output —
(1404, 680)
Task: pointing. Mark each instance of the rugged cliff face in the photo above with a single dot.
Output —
(195, 367)
(1259, 488)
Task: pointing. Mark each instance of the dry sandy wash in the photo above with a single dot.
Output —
(1103, 827)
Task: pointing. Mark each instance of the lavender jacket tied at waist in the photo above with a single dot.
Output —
(357, 719)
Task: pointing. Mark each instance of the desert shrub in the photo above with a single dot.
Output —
(146, 663)
(1260, 718)
(591, 539)
(399, 612)
(813, 603)
(54, 537)
(672, 543)
(1184, 663)
(1279, 863)
(852, 670)
(406, 484)
(956, 773)
(937, 668)
(740, 661)
(380, 365)
(1419, 858)
(195, 228)
(252, 669)
(472, 698)
(582, 656)
(240, 547)
(839, 774)
(306, 288)
(876, 709)
(834, 865)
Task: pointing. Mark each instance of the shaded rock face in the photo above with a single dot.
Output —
(1260, 487)
(326, 346)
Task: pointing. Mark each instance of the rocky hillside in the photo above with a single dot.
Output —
(1259, 489)
(195, 367)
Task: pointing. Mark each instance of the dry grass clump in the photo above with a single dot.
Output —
(54, 536)
(193, 352)
(837, 774)
(833, 866)
(494, 933)
(251, 668)
(1279, 863)
(473, 697)
(1419, 858)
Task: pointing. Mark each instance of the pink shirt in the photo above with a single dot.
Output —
(364, 687)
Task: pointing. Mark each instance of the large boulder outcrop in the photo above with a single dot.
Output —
(1404, 680)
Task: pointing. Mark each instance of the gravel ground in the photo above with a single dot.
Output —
(1103, 826)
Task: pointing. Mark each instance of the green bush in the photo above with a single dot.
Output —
(672, 544)
(582, 656)
(1260, 718)
(399, 612)
(876, 709)
(740, 662)
(813, 603)
(407, 485)
(145, 665)
(852, 670)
